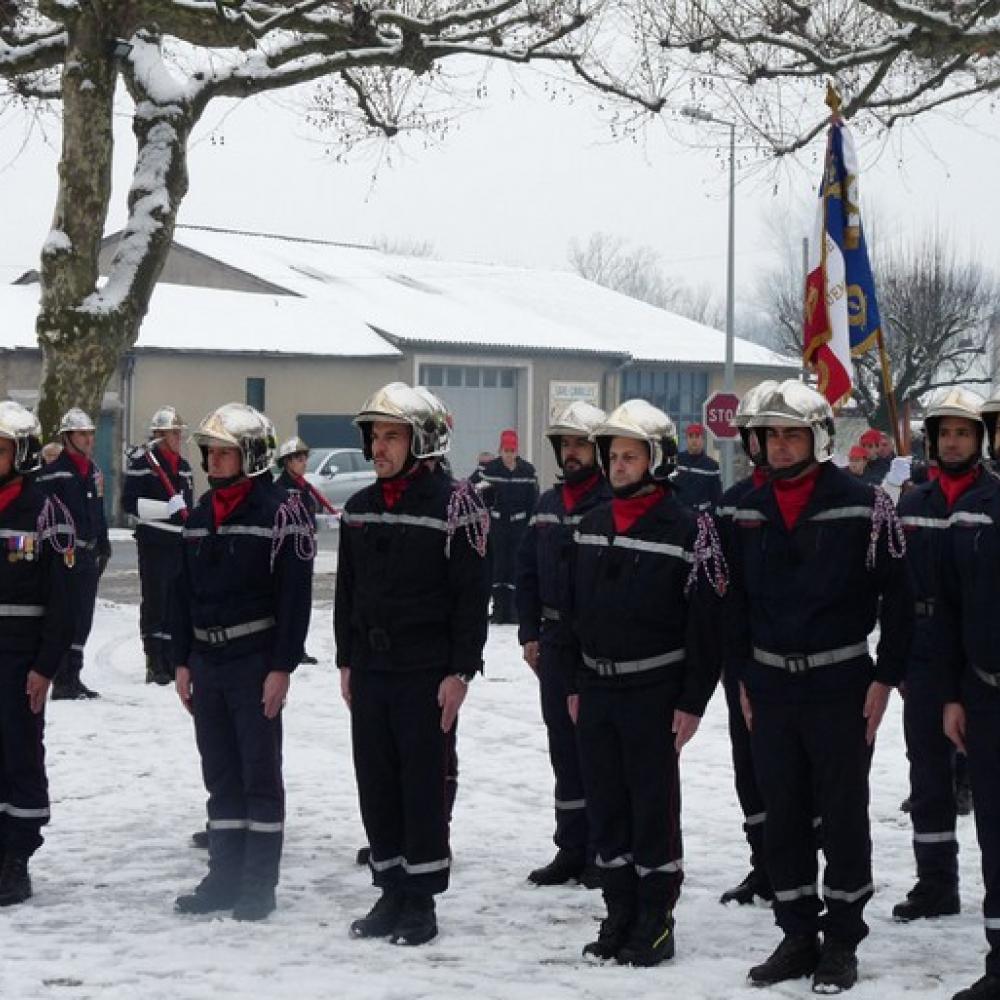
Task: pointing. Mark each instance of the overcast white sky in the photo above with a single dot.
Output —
(516, 181)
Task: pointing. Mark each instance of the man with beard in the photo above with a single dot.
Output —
(543, 602)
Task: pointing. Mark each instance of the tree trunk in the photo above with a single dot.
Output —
(69, 266)
(84, 329)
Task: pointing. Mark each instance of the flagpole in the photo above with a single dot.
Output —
(834, 102)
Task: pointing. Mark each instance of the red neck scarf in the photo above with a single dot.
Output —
(793, 496)
(759, 476)
(573, 493)
(627, 512)
(226, 499)
(81, 462)
(10, 492)
(393, 489)
(169, 458)
(954, 486)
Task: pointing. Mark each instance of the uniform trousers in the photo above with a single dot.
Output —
(402, 763)
(571, 833)
(241, 765)
(632, 780)
(24, 788)
(158, 568)
(812, 758)
(745, 777)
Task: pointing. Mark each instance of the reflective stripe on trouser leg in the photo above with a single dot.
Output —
(982, 741)
(632, 789)
(24, 797)
(571, 831)
(402, 761)
(932, 788)
(745, 779)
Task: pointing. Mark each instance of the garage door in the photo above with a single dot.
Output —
(483, 400)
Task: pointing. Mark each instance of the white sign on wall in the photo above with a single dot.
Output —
(561, 394)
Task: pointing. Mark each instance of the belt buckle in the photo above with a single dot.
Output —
(379, 640)
(797, 663)
(604, 667)
(216, 636)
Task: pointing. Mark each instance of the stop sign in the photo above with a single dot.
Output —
(719, 411)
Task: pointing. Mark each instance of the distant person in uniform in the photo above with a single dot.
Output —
(697, 482)
(857, 459)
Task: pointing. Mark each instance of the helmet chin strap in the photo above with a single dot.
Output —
(958, 468)
(792, 470)
(624, 492)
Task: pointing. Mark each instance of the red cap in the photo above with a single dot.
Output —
(508, 440)
(857, 452)
(871, 436)
(696, 429)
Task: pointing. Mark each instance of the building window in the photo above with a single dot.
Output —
(680, 394)
(467, 377)
(255, 393)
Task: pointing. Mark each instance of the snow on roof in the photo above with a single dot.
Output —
(183, 318)
(424, 301)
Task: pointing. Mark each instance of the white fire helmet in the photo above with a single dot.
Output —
(166, 418)
(418, 408)
(237, 425)
(74, 419)
(953, 402)
(578, 419)
(794, 404)
(748, 407)
(293, 446)
(21, 426)
(635, 418)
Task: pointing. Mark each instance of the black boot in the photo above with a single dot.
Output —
(928, 898)
(151, 668)
(307, 659)
(590, 877)
(417, 922)
(755, 886)
(795, 957)
(987, 988)
(214, 892)
(15, 883)
(164, 672)
(565, 867)
(838, 967)
(381, 919)
(256, 901)
(651, 940)
(363, 856)
(199, 839)
(615, 930)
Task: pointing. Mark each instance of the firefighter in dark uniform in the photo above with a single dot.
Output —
(158, 492)
(36, 611)
(756, 885)
(876, 466)
(512, 490)
(648, 661)
(817, 558)
(966, 637)
(697, 481)
(292, 458)
(543, 603)
(410, 618)
(240, 615)
(954, 435)
(79, 484)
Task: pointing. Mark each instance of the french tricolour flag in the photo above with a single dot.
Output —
(841, 313)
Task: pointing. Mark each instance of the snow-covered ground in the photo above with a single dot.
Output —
(127, 794)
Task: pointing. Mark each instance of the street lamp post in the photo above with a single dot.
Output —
(729, 374)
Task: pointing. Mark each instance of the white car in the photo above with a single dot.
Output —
(338, 473)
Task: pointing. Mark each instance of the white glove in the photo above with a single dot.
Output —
(175, 504)
(899, 471)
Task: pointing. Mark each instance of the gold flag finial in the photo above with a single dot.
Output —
(833, 100)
